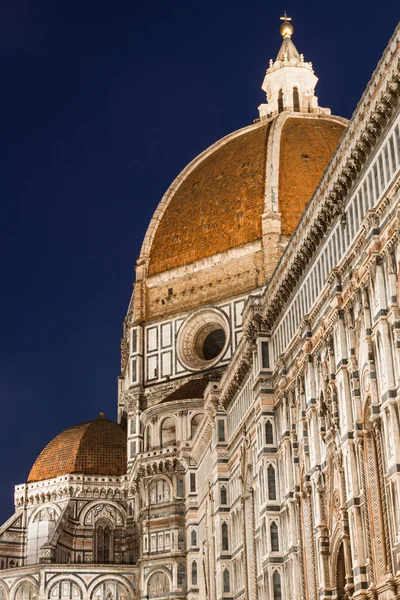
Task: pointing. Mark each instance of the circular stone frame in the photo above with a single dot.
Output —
(193, 329)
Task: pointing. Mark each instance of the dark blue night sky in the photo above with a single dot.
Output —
(101, 105)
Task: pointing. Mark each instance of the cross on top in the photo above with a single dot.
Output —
(285, 17)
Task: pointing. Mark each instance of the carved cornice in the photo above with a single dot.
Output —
(174, 407)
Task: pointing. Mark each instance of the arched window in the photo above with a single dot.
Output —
(194, 573)
(274, 538)
(340, 575)
(193, 538)
(159, 492)
(103, 543)
(147, 434)
(226, 581)
(280, 101)
(276, 584)
(224, 536)
(180, 487)
(181, 541)
(168, 432)
(181, 575)
(224, 496)
(194, 423)
(271, 483)
(269, 433)
(221, 430)
(296, 99)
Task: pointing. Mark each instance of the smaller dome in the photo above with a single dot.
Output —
(96, 447)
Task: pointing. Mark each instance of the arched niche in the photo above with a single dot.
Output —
(65, 589)
(3, 591)
(194, 423)
(340, 574)
(110, 589)
(168, 432)
(158, 583)
(25, 590)
(107, 509)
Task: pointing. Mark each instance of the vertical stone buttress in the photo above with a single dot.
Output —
(360, 440)
(251, 544)
(309, 544)
(382, 487)
(301, 545)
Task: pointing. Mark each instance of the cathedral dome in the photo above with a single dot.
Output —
(97, 447)
(216, 204)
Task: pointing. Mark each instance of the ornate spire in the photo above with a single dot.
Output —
(289, 81)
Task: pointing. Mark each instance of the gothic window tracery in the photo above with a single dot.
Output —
(340, 575)
(160, 492)
(280, 101)
(193, 538)
(221, 430)
(269, 433)
(276, 585)
(271, 483)
(103, 542)
(194, 572)
(147, 440)
(226, 581)
(224, 498)
(181, 579)
(181, 541)
(274, 537)
(180, 487)
(296, 99)
(224, 536)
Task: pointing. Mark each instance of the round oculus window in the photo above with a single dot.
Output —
(203, 339)
(210, 342)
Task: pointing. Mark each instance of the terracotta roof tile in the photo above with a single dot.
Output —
(219, 204)
(94, 448)
(217, 207)
(192, 389)
(306, 148)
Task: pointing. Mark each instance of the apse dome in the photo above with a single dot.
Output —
(96, 447)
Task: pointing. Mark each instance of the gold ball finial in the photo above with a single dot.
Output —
(286, 28)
